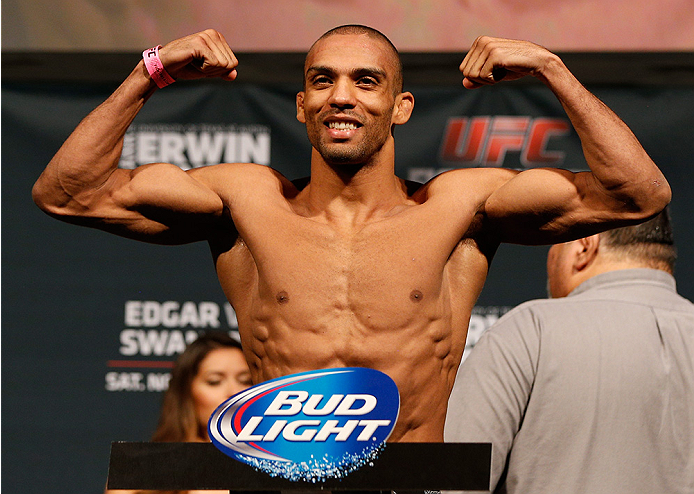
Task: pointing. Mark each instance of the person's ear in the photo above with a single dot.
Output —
(404, 104)
(300, 107)
(587, 251)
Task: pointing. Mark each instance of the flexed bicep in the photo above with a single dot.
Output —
(549, 205)
(157, 203)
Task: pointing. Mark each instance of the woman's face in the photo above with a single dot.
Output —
(222, 373)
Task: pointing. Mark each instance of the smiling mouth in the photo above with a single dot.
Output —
(342, 125)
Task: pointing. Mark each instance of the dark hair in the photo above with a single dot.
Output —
(651, 242)
(177, 422)
(374, 33)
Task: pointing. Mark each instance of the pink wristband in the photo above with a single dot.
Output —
(155, 68)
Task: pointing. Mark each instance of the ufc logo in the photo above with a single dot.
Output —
(484, 141)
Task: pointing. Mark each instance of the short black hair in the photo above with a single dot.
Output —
(651, 242)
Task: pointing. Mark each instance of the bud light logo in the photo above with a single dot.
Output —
(309, 426)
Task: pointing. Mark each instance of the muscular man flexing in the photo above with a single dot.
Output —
(357, 267)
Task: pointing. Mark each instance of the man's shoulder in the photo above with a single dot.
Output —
(237, 169)
(251, 176)
(462, 194)
(483, 180)
(487, 174)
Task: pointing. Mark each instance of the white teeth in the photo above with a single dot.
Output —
(342, 126)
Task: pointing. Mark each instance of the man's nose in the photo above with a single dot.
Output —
(343, 94)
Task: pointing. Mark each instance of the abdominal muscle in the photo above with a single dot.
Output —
(407, 333)
(401, 310)
(417, 357)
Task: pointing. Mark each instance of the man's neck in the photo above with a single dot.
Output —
(351, 193)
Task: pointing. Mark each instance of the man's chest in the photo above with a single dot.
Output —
(374, 256)
(391, 268)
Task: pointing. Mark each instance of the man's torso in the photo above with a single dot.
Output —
(393, 293)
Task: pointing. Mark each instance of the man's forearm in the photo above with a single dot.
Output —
(91, 153)
(615, 156)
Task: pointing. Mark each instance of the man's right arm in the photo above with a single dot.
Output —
(160, 202)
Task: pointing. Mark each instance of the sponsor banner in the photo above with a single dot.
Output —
(484, 141)
(155, 334)
(192, 146)
(309, 426)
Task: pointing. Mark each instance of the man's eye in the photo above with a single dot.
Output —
(321, 80)
(367, 82)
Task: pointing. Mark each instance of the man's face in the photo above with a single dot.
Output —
(349, 99)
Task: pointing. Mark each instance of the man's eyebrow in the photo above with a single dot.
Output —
(370, 71)
(321, 69)
(324, 69)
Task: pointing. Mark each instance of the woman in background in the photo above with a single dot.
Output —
(210, 370)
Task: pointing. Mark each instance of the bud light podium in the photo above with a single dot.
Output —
(399, 467)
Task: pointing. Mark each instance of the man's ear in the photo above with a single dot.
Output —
(404, 104)
(587, 252)
(300, 107)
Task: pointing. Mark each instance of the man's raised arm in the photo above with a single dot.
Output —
(158, 203)
(548, 205)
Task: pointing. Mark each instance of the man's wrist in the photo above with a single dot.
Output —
(155, 67)
(553, 71)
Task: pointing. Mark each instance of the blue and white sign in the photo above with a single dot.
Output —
(309, 426)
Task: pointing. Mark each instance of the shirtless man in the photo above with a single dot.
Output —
(357, 268)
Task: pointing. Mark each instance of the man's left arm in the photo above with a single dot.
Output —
(624, 185)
